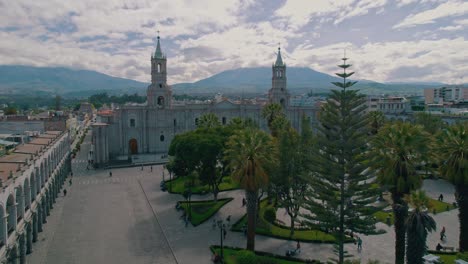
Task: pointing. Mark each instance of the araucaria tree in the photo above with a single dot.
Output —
(248, 153)
(340, 197)
(397, 149)
(452, 145)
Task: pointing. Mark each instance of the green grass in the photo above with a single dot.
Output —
(439, 207)
(382, 217)
(268, 229)
(447, 259)
(203, 210)
(231, 255)
(179, 183)
(434, 204)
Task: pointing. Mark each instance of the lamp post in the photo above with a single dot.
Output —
(222, 227)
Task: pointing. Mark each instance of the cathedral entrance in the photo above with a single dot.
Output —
(133, 146)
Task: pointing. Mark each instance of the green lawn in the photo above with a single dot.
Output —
(447, 259)
(203, 210)
(231, 255)
(268, 229)
(179, 183)
(434, 205)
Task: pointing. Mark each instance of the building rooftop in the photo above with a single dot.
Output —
(5, 169)
(15, 158)
(29, 149)
(40, 141)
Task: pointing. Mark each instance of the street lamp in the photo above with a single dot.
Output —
(222, 228)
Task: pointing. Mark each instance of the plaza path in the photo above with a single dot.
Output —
(128, 219)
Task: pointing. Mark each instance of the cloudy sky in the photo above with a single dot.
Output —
(387, 40)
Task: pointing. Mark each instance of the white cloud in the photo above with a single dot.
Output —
(451, 28)
(451, 8)
(380, 61)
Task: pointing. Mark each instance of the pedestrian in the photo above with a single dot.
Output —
(441, 198)
(298, 247)
(141, 167)
(110, 173)
(359, 244)
(64, 192)
(70, 182)
(224, 233)
(244, 202)
(442, 234)
(439, 247)
(151, 168)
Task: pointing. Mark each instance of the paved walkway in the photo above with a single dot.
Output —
(128, 219)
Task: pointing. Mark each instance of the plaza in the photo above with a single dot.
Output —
(126, 218)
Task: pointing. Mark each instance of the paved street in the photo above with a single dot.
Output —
(102, 220)
(126, 219)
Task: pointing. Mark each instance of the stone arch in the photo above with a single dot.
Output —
(19, 202)
(32, 183)
(161, 101)
(27, 194)
(133, 146)
(42, 174)
(3, 227)
(11, 212)
(38, 182)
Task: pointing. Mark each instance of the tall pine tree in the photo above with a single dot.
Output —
(340, 196)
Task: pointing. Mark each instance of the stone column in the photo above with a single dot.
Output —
(29, 238)
(34, 227)
(39, 218)
(22, 249)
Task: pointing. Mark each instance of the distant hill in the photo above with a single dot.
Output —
(83, 83)
(59, 80)
(300, 80)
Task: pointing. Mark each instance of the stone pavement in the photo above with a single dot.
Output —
(128, 219)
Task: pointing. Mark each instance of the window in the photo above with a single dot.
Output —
(161, 138)
(159, 67)
(196, 121)
(224, 120)
(160, 85)
(132, 122)
(175, 122)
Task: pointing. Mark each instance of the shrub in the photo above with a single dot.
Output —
(463, 256)
(246, 257)
(270, 214)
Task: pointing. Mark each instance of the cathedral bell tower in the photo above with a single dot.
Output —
(278, 92)
(159, 94)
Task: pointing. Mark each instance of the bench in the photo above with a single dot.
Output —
(452, 249)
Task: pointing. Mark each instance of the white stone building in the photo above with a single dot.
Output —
(31, 179)
(149, 128)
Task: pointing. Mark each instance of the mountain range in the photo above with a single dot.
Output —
(82, 83)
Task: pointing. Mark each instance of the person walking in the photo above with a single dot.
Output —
(298, 247)
(151, 168)
(224, 233)
(110, 173)
(64, 192)
(70, 182)
(141, 167)
(359, 244)
(441, 198)
(442, 234)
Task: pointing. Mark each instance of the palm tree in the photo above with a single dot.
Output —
(209, 120)
(418, 225)
(452, 146)
(377, 120)
(271, 112)
(248, 153)
(397, 149)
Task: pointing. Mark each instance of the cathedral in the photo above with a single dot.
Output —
(147, 129)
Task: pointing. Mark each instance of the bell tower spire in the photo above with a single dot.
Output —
(159, 94)
(278, 92)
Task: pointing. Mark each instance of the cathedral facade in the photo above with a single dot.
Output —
(149, 129)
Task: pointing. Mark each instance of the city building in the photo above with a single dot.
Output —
(31, 178)
(389, 105)
(448, 94)
(149, 128)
